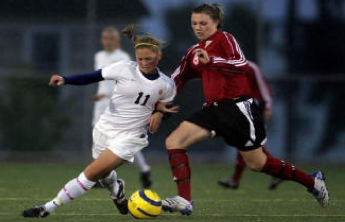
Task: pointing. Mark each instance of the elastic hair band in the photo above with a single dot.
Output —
(144, 43)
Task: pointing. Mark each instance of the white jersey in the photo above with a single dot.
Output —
(102, 59)
(133, 99)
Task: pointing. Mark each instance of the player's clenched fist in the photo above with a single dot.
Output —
(56, 80)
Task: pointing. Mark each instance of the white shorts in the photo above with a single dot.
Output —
(124, 144)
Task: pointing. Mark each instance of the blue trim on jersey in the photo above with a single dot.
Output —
(152, 202)
(85, 78)
(151, 76)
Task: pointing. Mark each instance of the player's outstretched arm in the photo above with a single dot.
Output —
(79, 79)
(56, 80)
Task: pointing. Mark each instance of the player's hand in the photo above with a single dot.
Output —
(267, 114)
(202, 55)
(167, 107)
(155, 121)
(98, 97)
(56, 80)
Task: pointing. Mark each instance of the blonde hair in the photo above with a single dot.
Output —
(142, 41)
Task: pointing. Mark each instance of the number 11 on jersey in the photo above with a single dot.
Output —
(137, 101)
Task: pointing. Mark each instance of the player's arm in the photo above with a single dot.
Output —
(183, 73)
(79, 79)
(163, 109)
(265, 95)
(155, 121)
(233, 58)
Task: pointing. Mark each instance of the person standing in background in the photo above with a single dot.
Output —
(111, 53)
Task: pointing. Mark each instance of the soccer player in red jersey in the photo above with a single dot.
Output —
(229, 111)
(261, 94)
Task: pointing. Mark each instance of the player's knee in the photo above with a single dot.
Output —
(254, 165)
(95, 174)
(171, 143)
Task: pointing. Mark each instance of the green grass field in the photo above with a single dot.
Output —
(26, 185)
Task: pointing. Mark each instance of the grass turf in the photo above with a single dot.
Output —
(26, 185)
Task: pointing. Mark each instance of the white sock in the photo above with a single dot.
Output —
(140, 161)
(110, 182)
(73, 189)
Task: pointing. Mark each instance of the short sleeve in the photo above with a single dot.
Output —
(170, 92)
(126, 57)
(113, 71)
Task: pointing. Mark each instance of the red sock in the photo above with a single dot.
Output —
(239, 167)
(283, 170)
(179, 163)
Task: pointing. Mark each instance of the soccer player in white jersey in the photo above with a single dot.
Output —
(140, 89)
(111, 53)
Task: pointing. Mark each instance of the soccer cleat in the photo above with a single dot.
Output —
(274, 183)
(119, 200)
(145, 178)
(320, 191)
(178, 203)
(38, 211)
(98, 185)
(229, 183)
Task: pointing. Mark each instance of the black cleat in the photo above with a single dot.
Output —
(229, 183)
(274, 183)
(145, 178)
(38, 211)
(122, 206)
(98, 185)
(120, 201)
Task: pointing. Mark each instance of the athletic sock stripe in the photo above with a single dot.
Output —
(81, 185)
(282, 169)
(180, 165)
(171, 156)
(182, 180)
(152, 202)
(145, 213)
(68, 194)
(57, 202)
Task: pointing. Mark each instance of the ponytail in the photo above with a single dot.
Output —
(142, 41)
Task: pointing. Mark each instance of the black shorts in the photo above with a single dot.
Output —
(238, 121)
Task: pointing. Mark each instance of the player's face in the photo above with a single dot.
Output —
(147, 60)
(109, 41)
(203, 25)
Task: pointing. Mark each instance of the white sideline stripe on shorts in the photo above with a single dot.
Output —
(243, 109)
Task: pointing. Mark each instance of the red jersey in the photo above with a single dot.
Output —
(224, 77)
(260, 88)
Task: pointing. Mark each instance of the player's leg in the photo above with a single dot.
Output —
(234, 181)
(184, 136)
(257, 160)
(144, 168)
(110, 181)
(252, 136)
(98, 169)
(274, 182)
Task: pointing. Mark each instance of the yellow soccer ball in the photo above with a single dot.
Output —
(144, 204)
